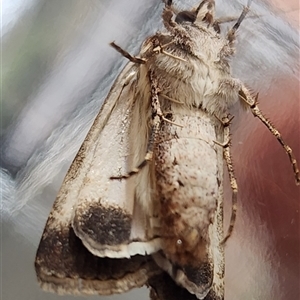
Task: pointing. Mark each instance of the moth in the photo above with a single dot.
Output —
(142, 202)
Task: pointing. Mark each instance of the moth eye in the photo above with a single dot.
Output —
(185, 16)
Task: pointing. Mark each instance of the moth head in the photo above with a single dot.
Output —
(204, 12)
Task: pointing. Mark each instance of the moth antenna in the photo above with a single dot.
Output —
(242, 16)
(232, 31)
(245, 95)
(134, 59)
(233, 183)
(157, 117)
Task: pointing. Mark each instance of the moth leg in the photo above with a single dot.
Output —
(217, 22)
(160, 49)
(233, 183)
(232, 19)
(222, 20)
(157, 117)
(231, 34)
(127, 55)
(170, 99)
(245, 95)
(226, 19)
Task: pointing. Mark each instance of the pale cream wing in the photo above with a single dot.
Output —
(103, 213)
(106, 209)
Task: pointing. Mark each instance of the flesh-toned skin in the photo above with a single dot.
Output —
(263, 171)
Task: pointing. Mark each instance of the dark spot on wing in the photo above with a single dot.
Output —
(62, 258)
(104, 225)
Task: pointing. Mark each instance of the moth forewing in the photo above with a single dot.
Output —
(105, 209)
(99, 211)
(63, 265)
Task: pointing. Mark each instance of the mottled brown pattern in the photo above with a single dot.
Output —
(188, 196)
(62, 261)
(104, 225)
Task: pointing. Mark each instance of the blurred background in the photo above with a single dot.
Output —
(57, 67)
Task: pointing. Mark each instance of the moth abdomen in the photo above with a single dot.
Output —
(188, 191)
